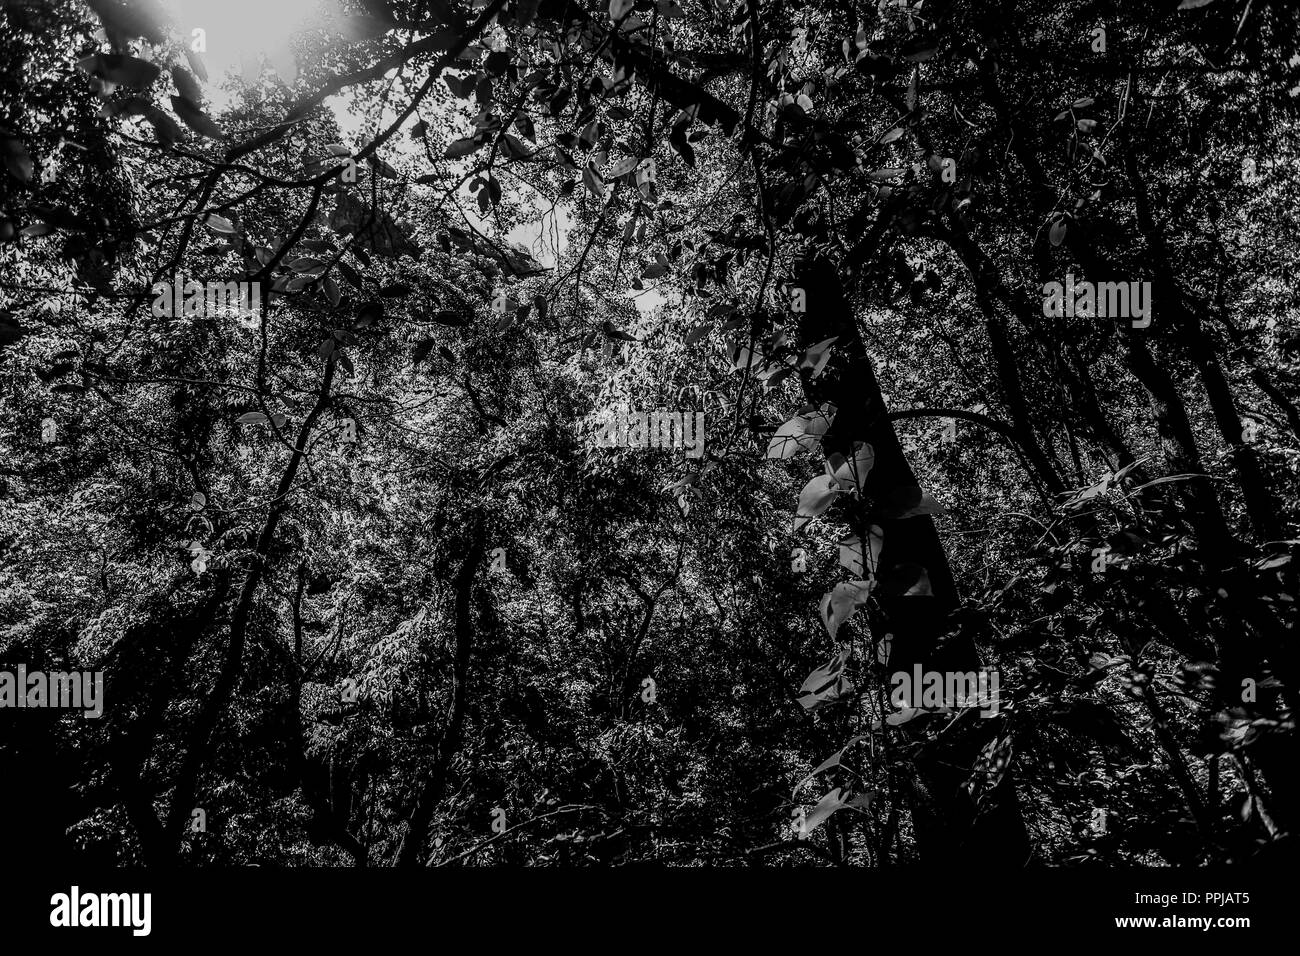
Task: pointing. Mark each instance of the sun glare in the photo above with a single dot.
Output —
(239, 30)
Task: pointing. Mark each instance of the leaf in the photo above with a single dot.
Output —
(524, 123)
(219, 224)
(396, 290)
(372, 313)
(863, 800)
(618, 334)
(852, 473)
(699, 332)
(513, 148)
(1193, 4)
(743, 358)
(855, 559)
(804, 431)
(926, 506)
(827, 683)
(308, 264)
(10, 330)
(196, 64)
(901, 717)
(463, 147)
(382, 167)
(823, 675)
(1057, 233)
(165, 129)
(622, 167)
(921, 51)
(907, 580)
(594, 183)
(421, 351)
(618, 9)
(842, 602)
(818, 495)
(17, 160)
(59, 217)
(186, 85)
(825, 807)
(829, 762)
(252, 418)
(906, 501)
(677, 140)
(814, 359)
(448, 317)
(350, 275)
(196, 119)
(128, 71)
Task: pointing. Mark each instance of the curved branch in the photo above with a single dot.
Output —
(992, 424)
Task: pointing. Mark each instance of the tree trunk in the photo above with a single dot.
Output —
(948, 827)
(429, 790)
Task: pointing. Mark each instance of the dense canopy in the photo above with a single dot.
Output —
(678, 431)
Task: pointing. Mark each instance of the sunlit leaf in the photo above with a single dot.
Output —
(817, 496)
(594, 183)
(803, 431)
(219, 224)
(828, 763)
(825, 807)
(622, 167)
(851, 473)
(827, 683)
(855, 558)
(842, 602)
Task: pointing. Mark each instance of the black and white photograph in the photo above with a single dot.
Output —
(717, 465)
